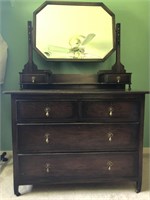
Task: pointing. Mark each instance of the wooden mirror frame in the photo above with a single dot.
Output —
(55, 38)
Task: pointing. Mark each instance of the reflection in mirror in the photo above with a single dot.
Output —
(74, 31)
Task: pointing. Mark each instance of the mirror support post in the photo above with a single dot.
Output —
(118, 67)
(30, 66)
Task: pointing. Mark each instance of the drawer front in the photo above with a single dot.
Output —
(77, 137)
(34, 78)
(77, 167)
(110, 111)
(46, 111)
(115, 78)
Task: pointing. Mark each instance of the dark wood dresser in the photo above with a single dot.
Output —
(77, 136)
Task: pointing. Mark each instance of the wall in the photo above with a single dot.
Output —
(133, 16)
(0, 85)
(0, 118)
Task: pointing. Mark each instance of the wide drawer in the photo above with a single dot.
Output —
(77, 137)
(74, 167)
(110, 110)
(46, 110)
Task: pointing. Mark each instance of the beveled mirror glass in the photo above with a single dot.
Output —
(73, 31)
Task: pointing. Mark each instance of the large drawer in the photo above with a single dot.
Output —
(74, 167)
(110, 110)
(38, 111)
(77, 137)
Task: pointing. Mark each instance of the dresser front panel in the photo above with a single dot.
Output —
(77, 137)
(78, 166)
(47, 111)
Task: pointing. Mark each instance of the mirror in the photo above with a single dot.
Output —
(73, 31)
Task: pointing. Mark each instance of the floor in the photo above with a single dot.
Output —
(75, 192)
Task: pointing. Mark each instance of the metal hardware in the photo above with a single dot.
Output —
(110, 135)
(47, 167)
(110, 111)
(47, 110)
(118, 79)
(47, 137)
(109, 165)
(33, 79)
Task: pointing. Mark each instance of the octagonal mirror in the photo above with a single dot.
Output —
(73, 31)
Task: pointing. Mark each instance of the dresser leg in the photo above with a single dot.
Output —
(138, 186)
(16, 190)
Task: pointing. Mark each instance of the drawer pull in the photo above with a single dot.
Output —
(109, 165)
(110, 111)
(47, 167)
(47, 137)
(47, 111)
(110, 135)
(33, 79)
(118, 79)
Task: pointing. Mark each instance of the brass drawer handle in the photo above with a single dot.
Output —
(109, 165)
(33, 79)
(110, 111)
(110, 135)
(47, 111)
(118, 79)
(47, 138)
(47, 166)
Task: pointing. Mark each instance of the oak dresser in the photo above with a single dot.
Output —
(77, 136)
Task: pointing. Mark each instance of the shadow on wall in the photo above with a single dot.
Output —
(3, 58)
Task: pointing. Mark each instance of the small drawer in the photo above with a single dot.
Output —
(115, 78)
(78, 167)
(39, 111)
(110, 111)
(77, 137)
(42, 78)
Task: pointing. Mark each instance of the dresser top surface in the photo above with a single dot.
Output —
(75, 91)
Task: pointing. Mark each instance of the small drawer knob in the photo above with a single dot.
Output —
(47, 111)
(46, 137)
(110, 135)
(110, 111)
(118, 79)
(47, 166)
(109, 165)
(33, 78)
